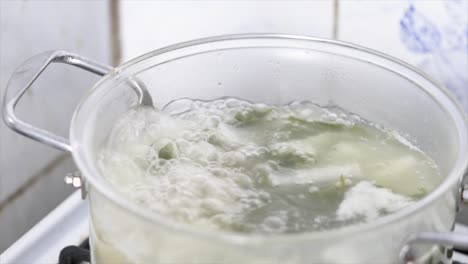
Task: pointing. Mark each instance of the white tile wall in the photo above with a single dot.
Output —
(28, 28)
(430, 34)
(149, 25)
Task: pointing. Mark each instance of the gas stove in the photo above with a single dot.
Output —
(66, 225)
(62, 237)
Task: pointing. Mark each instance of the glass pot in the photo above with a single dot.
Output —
(273, 69)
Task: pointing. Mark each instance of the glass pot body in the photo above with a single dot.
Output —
(275, 70)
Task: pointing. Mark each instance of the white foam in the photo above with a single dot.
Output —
(368, 201)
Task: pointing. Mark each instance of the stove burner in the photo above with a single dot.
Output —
(75, 254)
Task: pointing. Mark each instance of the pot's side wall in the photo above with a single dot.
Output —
(118, 236)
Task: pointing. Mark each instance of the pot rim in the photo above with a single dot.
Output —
(87, 169)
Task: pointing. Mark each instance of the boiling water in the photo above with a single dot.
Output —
(253, 168)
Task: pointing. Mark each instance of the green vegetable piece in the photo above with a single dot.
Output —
(288, 155)
(304, 128)
(342, 183)
(422, 191)
(322, 125)
(291, 159)
(251, 115)
(241, 117)
(169, 151)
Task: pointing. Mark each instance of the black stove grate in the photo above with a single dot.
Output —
(75, 254)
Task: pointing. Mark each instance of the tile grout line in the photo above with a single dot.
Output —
(114, 6)
(336, 12)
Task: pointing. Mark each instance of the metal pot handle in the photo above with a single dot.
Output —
(448, 239)
(28, 73)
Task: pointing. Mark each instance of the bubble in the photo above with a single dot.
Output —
(232, 158)
(274, 224)
(261, 108)
(178, 107)
(313, 189)
(232, 102)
